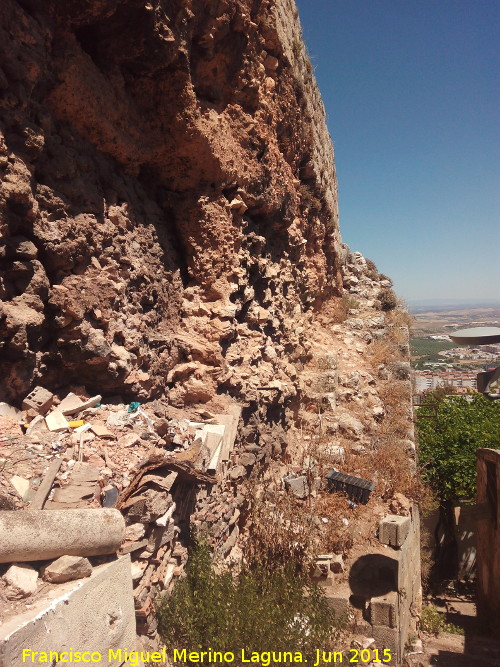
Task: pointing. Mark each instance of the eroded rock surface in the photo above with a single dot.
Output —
(168, 197)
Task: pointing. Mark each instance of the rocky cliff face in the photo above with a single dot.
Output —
(168, 198)
(169, 230)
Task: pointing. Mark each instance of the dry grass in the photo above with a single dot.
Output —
(388, 465)
(335, 310)
(382, 351)
(400, 317)
(281, 530)
(395, 474)
(396, 398)
(399, 322)
(335, 536)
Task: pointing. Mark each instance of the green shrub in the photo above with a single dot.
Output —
(434, 622)
(388, 299)
(450, 430)
(256, 610)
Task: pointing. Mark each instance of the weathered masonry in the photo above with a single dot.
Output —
(488, 537)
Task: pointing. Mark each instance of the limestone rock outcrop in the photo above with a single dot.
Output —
(168, 205)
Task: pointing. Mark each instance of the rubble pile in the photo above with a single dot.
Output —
(167, 476)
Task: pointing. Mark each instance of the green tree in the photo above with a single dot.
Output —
(450, 430)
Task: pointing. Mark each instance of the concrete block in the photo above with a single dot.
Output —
(40, 400)
(92, 615)
(325, 579)
(393, 530)
(387, 638)
(337, 564)
(384, 610)
(322, 566)
(31, 535)
(338, 600)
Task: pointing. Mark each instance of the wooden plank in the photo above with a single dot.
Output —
(213, 466)
(212, 442)
(44, 488)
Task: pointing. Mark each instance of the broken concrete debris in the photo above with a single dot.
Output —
(21, 580)
(393, 530)
(158, 474)
(163, 475)
(40, 400)
(70, 404)
(298, 486)
(21, 485)
(7, 410)
(66, 568)
(56, 422)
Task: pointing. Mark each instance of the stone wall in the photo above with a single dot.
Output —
(88, 615)
(488, 537)
(382, 597)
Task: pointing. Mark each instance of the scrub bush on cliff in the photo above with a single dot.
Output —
(388, 299)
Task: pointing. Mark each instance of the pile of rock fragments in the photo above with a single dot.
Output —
(151, 473)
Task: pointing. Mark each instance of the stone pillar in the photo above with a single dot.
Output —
(30, 535)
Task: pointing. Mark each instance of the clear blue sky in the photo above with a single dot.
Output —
(411, 90)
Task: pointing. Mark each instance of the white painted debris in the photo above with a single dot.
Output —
(56, 422)
(21, 485)
(70, 404)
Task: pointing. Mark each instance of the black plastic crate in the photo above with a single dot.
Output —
(356, 488)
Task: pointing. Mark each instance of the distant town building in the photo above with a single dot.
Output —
(432, 379)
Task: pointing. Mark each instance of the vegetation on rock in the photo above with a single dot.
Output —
(388, 299)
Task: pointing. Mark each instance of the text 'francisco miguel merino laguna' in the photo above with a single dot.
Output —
(263, 658)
